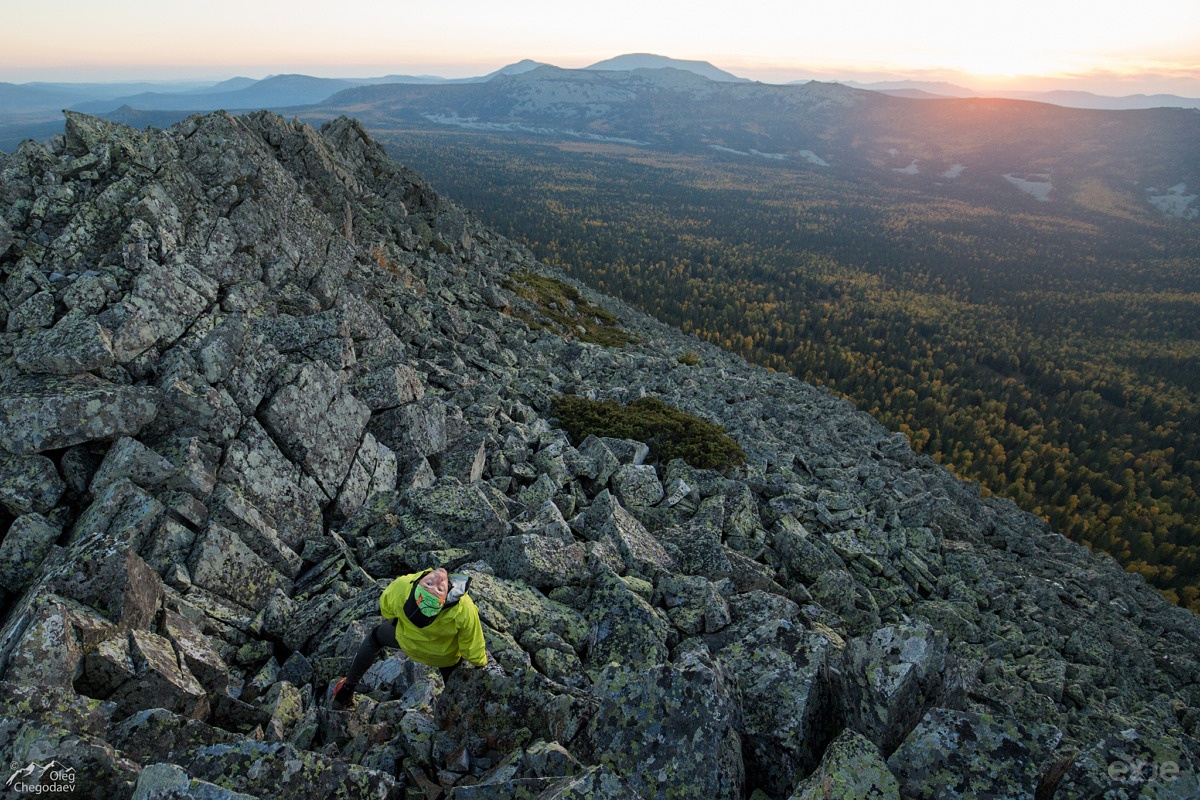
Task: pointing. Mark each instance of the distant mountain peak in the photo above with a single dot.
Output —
(632, 61)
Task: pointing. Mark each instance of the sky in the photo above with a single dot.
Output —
(1107, 46)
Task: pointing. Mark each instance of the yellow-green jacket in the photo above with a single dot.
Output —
(454, 634)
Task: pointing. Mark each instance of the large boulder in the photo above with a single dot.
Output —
(48, 413)
(608, 523)
(318, 424)
(29, 484)
(670, 730)
(955, 754)
(851, 769)
(780, 678)
(77, 343)
(222, 563)
(888, 680)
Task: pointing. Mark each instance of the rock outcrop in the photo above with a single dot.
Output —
(250, 372)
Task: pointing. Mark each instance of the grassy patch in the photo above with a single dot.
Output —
(670, 432)
(564, 310)
(691, 358)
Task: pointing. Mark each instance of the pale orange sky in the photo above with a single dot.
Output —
(1097, 45)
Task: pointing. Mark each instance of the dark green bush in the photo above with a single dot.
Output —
(669, 432)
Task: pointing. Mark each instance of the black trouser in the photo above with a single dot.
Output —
(381, 636)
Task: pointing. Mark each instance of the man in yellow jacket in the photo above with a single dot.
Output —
(429, 616)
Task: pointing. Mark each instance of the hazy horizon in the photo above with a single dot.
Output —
(1022, 45)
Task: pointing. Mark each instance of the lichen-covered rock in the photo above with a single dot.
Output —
(888, 680)
(1128, 764)
(222, 563)
(318, 424)
(608, 523)
(77, 343)
(44, 639)
(170, 782)
(637, 485)
(625, 629)
(670, 730)
(24, 548)
(413, 430)
(47, 413)
(99, 771)
(129, 458)
(958, 754)
(779, 673)
(539, 561)
(255, 465)
(510, 707)
(280, 770)
(159, 680)
(851, 769)
(107, 574)
(460, 513)
(388, 387)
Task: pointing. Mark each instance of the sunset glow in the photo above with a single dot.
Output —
(1099, 45)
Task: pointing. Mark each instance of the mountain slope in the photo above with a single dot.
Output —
(254, 371)
(970, 148)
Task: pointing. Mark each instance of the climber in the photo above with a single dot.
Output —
(429, 616)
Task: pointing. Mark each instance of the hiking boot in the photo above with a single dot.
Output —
(342, 697)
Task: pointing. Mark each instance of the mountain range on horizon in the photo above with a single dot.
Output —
(40, 102)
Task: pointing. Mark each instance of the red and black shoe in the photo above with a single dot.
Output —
(343, 696)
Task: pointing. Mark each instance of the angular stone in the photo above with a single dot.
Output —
(35, 312)
(638, 485)
(105, 573)
(45, 638)
(786, 700)
(594, 783)
(890, 679)
(232, 510)
(513, 607)
(388, 387)
(464, 459)
(196, 652)
(608, 522)
(171, 297)
(48, 413)
(318, 424)
(159, 681)
(512, 706)
(125, 512)
(280, 770)
(951, 754)
(688, 747)
(537, 560)
(1133, 764)
(625, 629)
(373, 471)
(412, 431)
(222, 563)
(106, 667)
(460, 513)
(851, 769)
(77, 343)
(29, 540)
(694, 604)
(170, 782)
(129, 458)
(29, 484)
(254, 464)
(193, 464)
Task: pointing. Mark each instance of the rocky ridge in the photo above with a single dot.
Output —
(252, 371)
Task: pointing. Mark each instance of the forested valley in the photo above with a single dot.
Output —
(1048, 351)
